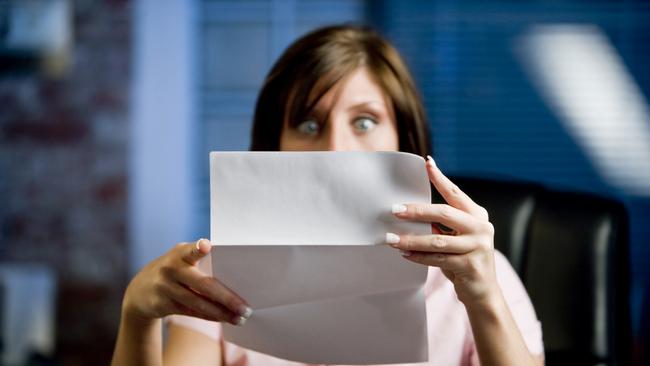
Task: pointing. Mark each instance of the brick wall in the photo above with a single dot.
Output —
(63, 174)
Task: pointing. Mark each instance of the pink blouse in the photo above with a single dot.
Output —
(449, 333)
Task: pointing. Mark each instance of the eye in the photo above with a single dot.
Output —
(309, 127)
(364, 124)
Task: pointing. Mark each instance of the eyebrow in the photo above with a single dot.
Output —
(359, 106)
(364, 104)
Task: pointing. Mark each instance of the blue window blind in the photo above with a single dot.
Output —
(488, 119)
(239, 41)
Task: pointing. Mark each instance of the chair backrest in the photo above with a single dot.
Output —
(571, 252)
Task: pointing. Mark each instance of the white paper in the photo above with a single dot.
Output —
(300, 236)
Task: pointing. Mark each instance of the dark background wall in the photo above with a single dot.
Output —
(63, 169)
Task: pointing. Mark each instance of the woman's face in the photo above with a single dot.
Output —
(354, 115)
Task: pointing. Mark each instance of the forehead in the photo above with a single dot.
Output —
(356, 88)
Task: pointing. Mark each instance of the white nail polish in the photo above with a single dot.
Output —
(398, 208)
(240, 321)
(430, 160)
(392, 238)
(245, 311)
(199, 241)
(197, 246)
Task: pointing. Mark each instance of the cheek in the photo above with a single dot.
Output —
(290, 141)
(385, 138)
(287, 143)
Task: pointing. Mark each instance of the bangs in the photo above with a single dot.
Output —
(314, 82)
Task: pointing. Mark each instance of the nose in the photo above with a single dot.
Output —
(338, 138)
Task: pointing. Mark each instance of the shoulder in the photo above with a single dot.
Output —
(506, 275)
(519, 303)
(205, 327)
(192, 341)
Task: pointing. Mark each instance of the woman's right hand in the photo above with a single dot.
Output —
(173, 284)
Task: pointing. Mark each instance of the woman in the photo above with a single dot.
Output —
(346, 88)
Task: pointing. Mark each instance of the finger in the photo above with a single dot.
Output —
(449, 216)
(450, 192)
(200, 306)
(444, 261)
(178, 308)
(432, 243)
(213, 289)
(192, 253)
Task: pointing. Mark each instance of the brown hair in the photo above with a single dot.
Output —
(315, 63)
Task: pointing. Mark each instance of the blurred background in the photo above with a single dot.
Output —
(108, 110)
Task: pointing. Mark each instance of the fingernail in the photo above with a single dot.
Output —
(430, 160)
(398, 208)
(245, 311)
(240, 320)
(405, 253)
(392, 238)
(198, 244)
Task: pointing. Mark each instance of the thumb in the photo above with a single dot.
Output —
(192, 253)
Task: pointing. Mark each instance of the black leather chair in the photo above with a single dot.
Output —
(571, 252)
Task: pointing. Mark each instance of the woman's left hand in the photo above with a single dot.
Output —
(465, 254)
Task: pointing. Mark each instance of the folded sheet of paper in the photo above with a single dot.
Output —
(301, 237)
